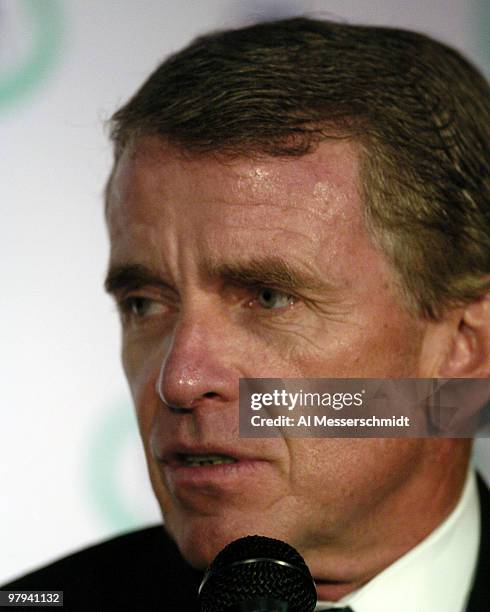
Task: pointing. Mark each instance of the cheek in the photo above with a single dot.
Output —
(142, 367)
(346, 476)
(390, 349)
(359, 350)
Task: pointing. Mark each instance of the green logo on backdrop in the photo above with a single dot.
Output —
(30, 34)
(106, 478)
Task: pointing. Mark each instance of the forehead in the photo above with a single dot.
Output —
(335, 160)
(155, 185)
(171, 210)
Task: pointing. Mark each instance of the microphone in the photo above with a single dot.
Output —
(258, 574)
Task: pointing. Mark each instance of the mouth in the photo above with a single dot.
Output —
(201, 460)
(200, 468)
(195, 456)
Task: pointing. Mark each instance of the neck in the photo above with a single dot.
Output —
(393, 528)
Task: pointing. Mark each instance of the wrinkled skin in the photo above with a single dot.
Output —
(195, 325)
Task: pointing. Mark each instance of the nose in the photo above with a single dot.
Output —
(198, 367)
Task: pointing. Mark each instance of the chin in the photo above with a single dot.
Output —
(200, 541)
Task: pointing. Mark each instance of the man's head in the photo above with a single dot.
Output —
(418, 111)
(299, 199)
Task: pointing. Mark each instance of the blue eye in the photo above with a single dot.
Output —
(272, 299)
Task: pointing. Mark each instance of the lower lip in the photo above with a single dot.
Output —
(219, 475)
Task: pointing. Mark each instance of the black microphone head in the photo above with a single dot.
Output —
(256, 568)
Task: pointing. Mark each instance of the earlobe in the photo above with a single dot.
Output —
(469, 351)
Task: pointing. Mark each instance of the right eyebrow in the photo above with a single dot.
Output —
(131, 276)
(267, 272)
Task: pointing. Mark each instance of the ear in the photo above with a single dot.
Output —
(468, 342)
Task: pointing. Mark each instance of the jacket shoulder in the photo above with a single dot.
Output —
(143, 566)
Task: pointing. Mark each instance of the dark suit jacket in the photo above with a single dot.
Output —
(480, 593)
(144, 571)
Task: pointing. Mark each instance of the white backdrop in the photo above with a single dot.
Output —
(71, 470)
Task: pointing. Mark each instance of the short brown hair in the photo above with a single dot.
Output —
(418, 109)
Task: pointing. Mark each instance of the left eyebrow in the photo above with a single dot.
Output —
(265, 272)
(131, 276)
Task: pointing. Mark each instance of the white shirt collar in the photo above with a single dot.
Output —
(436, 575)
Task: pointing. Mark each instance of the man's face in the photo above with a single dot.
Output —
(254, 268)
